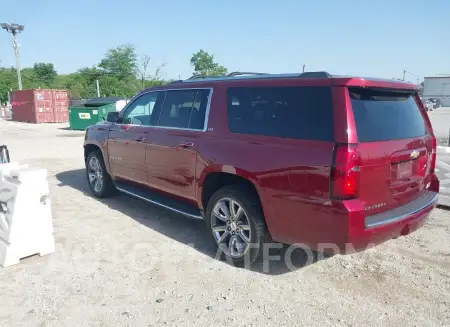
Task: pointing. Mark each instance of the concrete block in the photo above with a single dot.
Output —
(26, 224)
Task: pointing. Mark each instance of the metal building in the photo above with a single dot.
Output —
(437, 87)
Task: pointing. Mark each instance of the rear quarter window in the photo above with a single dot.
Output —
(386, 115)
(297, 112)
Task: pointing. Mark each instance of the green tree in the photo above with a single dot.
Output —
(71, 83)
(112, 86)
(118, 74)
(82, 83)
(76, 90)
(8, 81)
(45, 73)
(204, 64)
(120, 62)
(88, 74)
(29, 79)
(144, 74)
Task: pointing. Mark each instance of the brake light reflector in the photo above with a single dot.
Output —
(345, 172)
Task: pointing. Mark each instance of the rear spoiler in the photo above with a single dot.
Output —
(374, 83)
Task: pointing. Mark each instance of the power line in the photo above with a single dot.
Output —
(405, 71)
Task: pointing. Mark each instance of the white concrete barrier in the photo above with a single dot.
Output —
(26, 225)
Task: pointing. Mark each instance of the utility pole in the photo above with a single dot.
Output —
(404, 73)
(15, 29)
(98, 89)
(303, 68)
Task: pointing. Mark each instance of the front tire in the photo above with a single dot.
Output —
(98, 178)
(235, 220)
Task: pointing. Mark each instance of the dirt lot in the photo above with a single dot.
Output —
(122, 262)
(440, 119)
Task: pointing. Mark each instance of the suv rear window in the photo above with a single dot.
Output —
(386, 115)
(298, 112)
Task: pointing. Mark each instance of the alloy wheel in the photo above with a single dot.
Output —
(231, 227)
(95, 174)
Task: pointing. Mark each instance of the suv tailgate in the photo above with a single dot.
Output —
(395, 147)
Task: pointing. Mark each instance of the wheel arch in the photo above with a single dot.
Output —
(213, 179)
(88, 148)
(91, 146)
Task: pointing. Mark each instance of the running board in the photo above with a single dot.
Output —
(159, 200)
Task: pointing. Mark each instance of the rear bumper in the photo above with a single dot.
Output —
(344, 226)
(391, 224)
(425, 201)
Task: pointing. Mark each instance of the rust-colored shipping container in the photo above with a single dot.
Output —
(40, 106)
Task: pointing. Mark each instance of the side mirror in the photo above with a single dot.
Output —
(112, 116)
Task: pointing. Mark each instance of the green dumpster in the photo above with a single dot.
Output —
(81, 118)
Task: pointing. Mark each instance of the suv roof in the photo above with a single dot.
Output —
(248, 75)
(320, 78)
(334, 79)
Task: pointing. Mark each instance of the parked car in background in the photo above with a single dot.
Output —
(432, 103)
(429, 105)
(436, 103)
(300, 158)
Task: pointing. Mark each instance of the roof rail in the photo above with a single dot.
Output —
(238, 75)
(233, 74)
(315, 75)
(244, 73)
(203, 76)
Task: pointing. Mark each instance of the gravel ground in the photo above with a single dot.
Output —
(122, 262)
(440, 119)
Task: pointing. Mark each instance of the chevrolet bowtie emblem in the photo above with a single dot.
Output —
(414, 154)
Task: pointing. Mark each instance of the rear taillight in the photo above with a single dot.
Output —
(432, 156)
(345, 172)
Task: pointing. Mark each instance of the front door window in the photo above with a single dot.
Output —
(140, 111)
(184, 109)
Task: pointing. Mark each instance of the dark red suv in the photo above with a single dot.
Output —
(321, 160)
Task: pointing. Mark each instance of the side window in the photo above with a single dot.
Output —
(197, 120)
(139, 112)
(298, 112)
(184, 109)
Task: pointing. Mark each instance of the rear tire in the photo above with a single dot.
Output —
(236, 222)
(98, 178)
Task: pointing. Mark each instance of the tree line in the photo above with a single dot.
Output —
(121, 72)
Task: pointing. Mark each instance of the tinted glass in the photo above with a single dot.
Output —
(198, 113)
(184, 109)
(290, 112)
(386, 115)
(140, 110)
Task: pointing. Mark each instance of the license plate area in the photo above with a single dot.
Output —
(404, 170)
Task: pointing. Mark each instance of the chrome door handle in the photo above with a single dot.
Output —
(186, 144)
